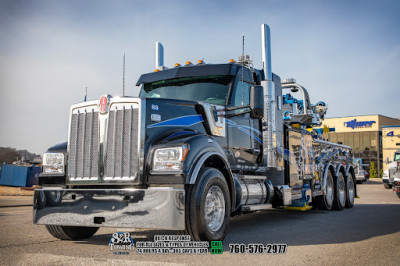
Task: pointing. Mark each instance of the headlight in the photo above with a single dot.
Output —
(53, 163)
(386, 173)
(169, 159)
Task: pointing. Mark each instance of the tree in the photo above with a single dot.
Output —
(373, 172)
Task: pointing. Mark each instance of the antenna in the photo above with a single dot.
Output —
(123, 77)
(243, 45)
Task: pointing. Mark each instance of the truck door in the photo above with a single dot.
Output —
(244, 135)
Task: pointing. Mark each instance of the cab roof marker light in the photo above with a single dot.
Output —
(188, 63)
(200, 62)
(177, 65)
(232, 61)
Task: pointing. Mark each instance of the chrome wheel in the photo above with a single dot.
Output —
(342, 190)
(214, 209)
(329, 189)
(350, 190)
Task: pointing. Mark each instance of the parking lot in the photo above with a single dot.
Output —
(367, 234)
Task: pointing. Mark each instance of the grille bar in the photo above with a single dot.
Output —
(130, 140)
(122, 153)
(122, 143)
(83, 143)
(83, 156)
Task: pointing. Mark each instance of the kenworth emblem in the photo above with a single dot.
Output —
(103, 105)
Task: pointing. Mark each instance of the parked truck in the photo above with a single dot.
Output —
(201, 143)
(391, 176)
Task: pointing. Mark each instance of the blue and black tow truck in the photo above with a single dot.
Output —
(202, 143)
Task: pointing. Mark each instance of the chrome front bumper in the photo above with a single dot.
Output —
(152, 208)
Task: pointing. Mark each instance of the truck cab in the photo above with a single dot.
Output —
(393, 172)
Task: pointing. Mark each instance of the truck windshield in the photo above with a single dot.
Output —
(210, 89)
(397, 156)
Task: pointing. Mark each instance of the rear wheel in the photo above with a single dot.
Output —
(325, 201)
(350, 191)
(71, 232)
(208, 207)
(339, 200)
(387, 186)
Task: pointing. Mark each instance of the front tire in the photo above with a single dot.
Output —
(71, 232)
(387, 186)
(208, 207)
(339, 201)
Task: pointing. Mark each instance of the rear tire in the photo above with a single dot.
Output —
(387, 186)
(208, 207)
(325, 201)
(339, 201)
(350, 191)
(71, 232)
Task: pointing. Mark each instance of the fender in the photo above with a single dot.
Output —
(192, 176)
(338, 167)
(211, 150)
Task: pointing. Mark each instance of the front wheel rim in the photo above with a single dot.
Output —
(214, 209)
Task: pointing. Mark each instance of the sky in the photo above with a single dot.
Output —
(345, 52)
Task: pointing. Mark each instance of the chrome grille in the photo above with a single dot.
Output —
(104, 147)
(83, 159)
(122, 152)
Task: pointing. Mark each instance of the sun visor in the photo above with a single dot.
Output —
(192, 71)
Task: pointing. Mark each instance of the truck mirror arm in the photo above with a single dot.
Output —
(240, 113)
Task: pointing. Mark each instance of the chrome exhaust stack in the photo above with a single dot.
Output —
(273, 121)
(266, 51)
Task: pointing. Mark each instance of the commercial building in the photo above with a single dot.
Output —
(364, 135)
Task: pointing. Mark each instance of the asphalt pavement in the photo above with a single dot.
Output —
(369, 234)
(15, 201)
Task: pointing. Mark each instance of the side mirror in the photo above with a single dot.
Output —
(256, 102)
